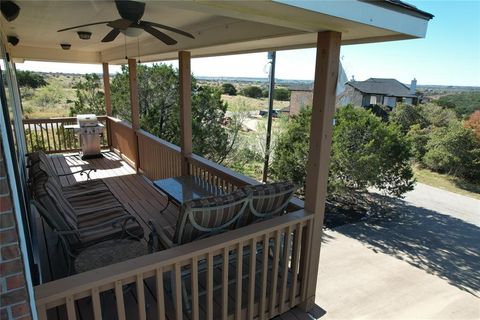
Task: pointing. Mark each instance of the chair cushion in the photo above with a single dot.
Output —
(203, 217)
(268, 200)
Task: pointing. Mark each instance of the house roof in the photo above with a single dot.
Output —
(219, 27)
(387, 87)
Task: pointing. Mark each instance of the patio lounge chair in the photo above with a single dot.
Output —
(38, 160)
(267, 201)
(82, 221)
(201, 218)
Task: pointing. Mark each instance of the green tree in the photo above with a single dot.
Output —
(406, 115)
(229, 89)
(454, 150)
(281, 94)
(160, 112)
(252, 92)
(437, 116)
(418, 139)
(366, 152)
(89, 97)
(464, 103)
(291, 153)
(30, 79)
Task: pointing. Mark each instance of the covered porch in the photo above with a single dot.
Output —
(144, 201)
(259, 271)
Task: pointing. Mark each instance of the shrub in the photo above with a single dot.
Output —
(30, 79)
(252, 92)
(49, 95)
(281, 94)
(366, 152)
(454, 150)
(229, 89)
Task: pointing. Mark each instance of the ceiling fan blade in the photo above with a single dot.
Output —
(83, 25)
(158, 34)
(161, 26)
(121, 24)
(111, 35)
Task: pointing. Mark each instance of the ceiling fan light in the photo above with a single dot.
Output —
(84, 35)
(132, 32)
(65, 46)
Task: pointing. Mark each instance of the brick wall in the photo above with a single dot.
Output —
(13, 292)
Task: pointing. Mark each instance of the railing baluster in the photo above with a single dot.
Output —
(295, 262)
(160, 294)
(119, 299)
(31, 138)
(194, 284)
(141, 298)
(286, 258)
(225, 266)
(71, 313)
(178, 291)
(276, 256)
(304, 257)
(48, 136)
(210, 286)
(251, 277)
(54, 133)
(97, 308)
(238, 293)
(263, 293)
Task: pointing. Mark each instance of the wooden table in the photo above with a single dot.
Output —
(185, 188)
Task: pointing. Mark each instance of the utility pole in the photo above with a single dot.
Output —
(271, 90)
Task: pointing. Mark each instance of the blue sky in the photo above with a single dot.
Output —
(449, 55)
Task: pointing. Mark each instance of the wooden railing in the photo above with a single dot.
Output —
(159, 159)
(122, 137)
(252, 272)
(217, 174)
(51, 136)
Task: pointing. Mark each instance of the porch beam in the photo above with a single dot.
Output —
(323, 109)
(135, 108)
(185, 89)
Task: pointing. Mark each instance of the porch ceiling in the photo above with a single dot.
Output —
(219, 27)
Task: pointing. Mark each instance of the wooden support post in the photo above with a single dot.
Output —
(185, 108)
(135, 108)
(323, 109)
(108, 104)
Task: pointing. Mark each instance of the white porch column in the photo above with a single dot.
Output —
(323, 108)
(185, 108)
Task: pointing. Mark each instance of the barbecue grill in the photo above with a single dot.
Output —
(89, 131)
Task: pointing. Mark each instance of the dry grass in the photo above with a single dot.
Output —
(251, 104)
(449, 183)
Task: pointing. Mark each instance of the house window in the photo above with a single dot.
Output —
(373, 99)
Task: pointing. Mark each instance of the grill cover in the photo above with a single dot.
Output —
(87, 120)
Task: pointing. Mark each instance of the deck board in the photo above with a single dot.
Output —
(145, 202)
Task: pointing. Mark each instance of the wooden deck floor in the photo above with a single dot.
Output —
(142, 200)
